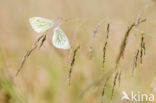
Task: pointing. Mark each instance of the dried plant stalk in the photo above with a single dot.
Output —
(103, 90)
(34, 46)
(72, 43)
(93, 38)
(123, 44)
(104, 54)
(119, 77)
(108, 30)
(105, 45)
(114, 84)
(73, 40)
(135, 61)
(42, 41)
(122, 48)
(139, 19)
(72, 63)
(142, 48)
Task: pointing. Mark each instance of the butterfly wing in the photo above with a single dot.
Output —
(60, 39)
(40, 24)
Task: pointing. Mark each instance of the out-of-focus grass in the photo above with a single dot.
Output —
(44, 78)
(8, 92)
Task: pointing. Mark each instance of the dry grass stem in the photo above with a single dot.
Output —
(105, 45)
(123, 44)
(142, 48)
(114, 84)
(135, 61)
(140, 14)
(119, 77)
(121, 53)
(42, 41)
(72, 63)
(93, 37)
(104, 54)
(140, 21)
(72, 42)
(103, 90)
(34, 46)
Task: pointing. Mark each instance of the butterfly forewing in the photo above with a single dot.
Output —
(40, 24)
(60, 39)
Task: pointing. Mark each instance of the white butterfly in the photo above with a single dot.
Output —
(40, 24)
(60, 39)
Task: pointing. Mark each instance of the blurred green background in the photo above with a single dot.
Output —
(44, 78)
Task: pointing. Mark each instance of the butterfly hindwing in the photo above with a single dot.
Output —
(40, 24)
(60, 39)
